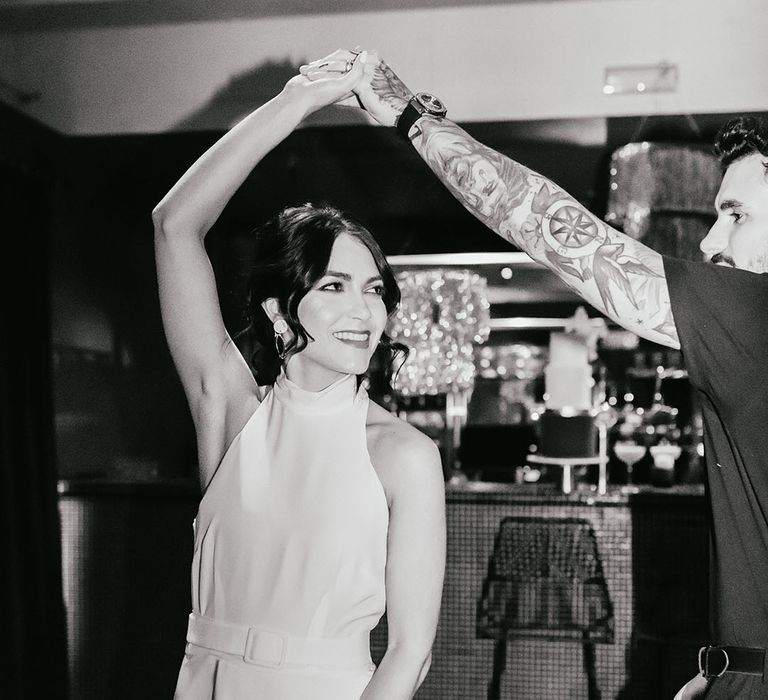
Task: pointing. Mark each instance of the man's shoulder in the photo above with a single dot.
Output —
(713, 290)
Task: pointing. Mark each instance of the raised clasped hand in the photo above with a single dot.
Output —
(332, 83)
(379, 91)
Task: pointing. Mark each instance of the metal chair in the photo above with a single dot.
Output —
(545, 581)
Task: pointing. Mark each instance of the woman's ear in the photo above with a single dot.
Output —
(272, 308)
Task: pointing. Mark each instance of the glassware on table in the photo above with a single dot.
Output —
(664, 456)
(629, 453)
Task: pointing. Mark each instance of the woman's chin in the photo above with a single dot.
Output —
(353, 368)
(343, 363)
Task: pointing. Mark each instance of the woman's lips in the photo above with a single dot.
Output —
(357, 339)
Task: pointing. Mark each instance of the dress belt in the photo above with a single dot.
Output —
(267, 648)
(714, 661)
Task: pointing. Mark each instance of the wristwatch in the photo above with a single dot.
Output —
(420, 104)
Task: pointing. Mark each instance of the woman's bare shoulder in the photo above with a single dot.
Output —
(385, 426)
(395, 446)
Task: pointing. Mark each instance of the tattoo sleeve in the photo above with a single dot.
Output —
(618, 275)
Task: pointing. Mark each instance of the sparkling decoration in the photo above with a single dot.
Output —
(512, 362)
(442, 314)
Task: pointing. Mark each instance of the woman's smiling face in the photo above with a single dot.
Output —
(344, 316)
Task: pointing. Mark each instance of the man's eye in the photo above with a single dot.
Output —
(737, 216)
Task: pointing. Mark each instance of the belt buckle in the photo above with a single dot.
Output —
(704, 662)
(263, 648)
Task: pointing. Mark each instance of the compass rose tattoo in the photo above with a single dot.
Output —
(578, 245)
(570, 232)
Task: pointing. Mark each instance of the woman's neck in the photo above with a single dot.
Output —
(311, 378)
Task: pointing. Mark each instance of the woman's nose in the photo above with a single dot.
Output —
(360, 308)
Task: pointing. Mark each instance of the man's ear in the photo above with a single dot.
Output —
(272, 308)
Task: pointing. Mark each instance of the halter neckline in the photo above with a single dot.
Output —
(337, 396)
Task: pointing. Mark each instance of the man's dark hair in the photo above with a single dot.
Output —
(740, 137)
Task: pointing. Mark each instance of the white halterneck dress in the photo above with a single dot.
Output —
(290, 554)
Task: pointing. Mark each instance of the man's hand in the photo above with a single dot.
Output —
(331, 82)
(383, 95)
(694, 688)
(380, 92)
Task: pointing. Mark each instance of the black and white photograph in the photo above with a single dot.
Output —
(393, 350)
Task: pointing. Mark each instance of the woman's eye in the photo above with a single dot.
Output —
(378, 290)
(331, 287)
(737, 216)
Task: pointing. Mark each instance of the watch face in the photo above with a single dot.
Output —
(432, 104)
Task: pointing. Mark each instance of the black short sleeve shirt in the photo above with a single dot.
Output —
(721, 316)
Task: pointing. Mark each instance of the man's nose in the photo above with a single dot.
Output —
(716, 241)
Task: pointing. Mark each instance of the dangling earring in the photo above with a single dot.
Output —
(280, 327)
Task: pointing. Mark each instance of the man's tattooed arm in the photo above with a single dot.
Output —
(615, 273)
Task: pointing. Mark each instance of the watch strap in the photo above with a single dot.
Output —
(407, 118)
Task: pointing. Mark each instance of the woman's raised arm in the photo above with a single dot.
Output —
(212, 371)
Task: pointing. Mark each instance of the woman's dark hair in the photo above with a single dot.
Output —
(740, 137)
(291, 254)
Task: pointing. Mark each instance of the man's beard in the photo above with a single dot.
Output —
(720, 258)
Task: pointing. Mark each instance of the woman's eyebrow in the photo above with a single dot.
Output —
(348, 277)
(340, 275)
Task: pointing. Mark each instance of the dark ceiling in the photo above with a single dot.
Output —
(41, 15)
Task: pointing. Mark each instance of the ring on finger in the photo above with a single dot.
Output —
(349, 64)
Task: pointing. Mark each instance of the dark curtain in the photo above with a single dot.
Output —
(30, 550)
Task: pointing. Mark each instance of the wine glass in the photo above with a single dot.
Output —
(629, 453)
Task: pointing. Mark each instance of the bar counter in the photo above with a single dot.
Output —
(547, 595)
(605, 595)
(478, 491)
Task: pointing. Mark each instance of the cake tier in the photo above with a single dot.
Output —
(567, 436)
